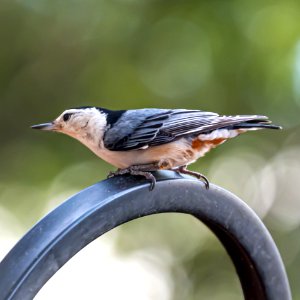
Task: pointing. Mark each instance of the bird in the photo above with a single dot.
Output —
(140, 141)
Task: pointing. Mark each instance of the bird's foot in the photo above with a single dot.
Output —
(118, 172)
(184, 170)
(139, 170)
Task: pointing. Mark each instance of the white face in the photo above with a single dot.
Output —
(80, 123)
(71, 121)
(85, 124)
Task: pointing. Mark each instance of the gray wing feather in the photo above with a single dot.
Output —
(134, 129)
(151, 127)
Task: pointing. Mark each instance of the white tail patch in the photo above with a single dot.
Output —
(220, 134)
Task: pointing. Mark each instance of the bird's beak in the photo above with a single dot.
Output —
(45, 126)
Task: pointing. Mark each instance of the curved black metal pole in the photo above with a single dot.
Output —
(107, 204)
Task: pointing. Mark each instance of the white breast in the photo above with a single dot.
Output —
(177, 153)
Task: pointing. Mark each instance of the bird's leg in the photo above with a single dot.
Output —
(140, 170)
(184, 170)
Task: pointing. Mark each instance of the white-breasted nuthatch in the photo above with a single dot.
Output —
(144, 140)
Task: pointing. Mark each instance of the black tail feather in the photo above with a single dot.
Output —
(256, 124)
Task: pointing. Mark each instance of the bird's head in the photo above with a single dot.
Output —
(81, 123)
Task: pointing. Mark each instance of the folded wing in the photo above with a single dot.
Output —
(139, 129)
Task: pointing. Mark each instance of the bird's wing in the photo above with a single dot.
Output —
(152, 127)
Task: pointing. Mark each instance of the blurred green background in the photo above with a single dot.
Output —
(232, 57)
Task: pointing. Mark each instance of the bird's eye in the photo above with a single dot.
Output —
(66, 117)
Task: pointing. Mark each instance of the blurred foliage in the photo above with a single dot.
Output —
(232, 57)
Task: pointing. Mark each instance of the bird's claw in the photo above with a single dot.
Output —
(112, 174)
(135, 171)
(205, 181)
(199, 176)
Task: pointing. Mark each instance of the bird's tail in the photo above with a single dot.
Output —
(256, 124)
